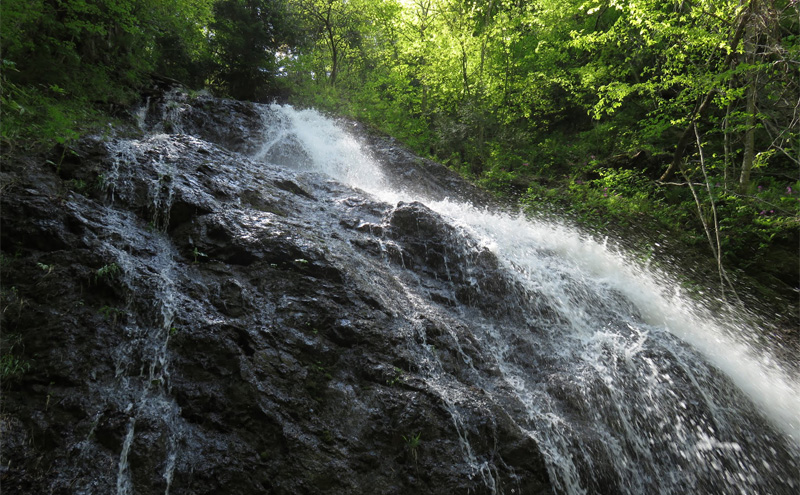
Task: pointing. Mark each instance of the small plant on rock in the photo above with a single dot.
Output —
(45, 268)
(111, 314)
(413, 442)
(197, 254)
(397, 377)
(107, 272)
(11, 365)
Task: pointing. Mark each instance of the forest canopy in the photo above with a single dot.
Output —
(682, 116)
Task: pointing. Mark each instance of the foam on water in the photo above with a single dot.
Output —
(725, 343)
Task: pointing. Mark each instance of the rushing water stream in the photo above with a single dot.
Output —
(626, 384)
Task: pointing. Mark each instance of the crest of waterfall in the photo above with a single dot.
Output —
(625, 382)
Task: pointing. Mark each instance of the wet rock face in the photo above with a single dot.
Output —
(178, 318)
(234, 125)
(454, 267)
(423, 176)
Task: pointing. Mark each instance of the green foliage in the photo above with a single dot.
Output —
(335, 35)
(37, 116)
(498, 179)
(248, 35)
(67, 65)
(107, 272)
(397, 377)
(413, 443)
(111, 314)
(11, 364)
(11, 367)
(542, 96)
(754, 224)
(197, 254)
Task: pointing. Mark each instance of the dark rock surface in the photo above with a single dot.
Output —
(186, 321)
(233, 125)
(422, 176)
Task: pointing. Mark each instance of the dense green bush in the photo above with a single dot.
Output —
(68, 65)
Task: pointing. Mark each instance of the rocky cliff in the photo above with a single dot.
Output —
(241, 299)
(178, 318)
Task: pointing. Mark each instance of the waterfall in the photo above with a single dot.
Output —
(258, 299)
(626, 384)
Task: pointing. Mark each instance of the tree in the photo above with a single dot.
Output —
(246, 36)
(101, 45)
(64, 60)
(335, 24)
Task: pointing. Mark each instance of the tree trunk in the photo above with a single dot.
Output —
(335, 64)
(749, 137)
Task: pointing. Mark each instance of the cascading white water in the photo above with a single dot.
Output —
(307, 140)
(142, 364)
(627, 371)
(726, 344)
